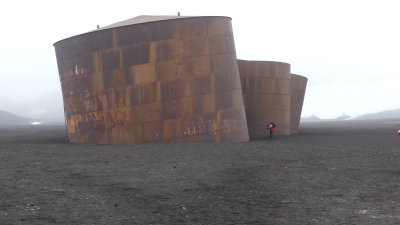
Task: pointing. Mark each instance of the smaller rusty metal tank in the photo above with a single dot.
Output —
(298, 90)
(266, 90)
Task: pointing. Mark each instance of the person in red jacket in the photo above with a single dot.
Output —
(271, 128)
(398, 132)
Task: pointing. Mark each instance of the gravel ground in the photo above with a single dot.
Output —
(329, 173)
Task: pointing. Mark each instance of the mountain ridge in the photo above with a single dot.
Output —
(7, 118)
(387, 114)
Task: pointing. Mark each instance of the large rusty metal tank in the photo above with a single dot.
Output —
(153, 79)
(298, 90)
(266, 91)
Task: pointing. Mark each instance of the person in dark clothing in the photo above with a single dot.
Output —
(271, 128)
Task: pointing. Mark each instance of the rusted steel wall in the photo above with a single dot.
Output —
(266, 90)
(298, 85)
(165, 81)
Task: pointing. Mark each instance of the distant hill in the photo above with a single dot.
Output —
(46, 108)
(389, 114)
(312, 118)
(7, 118)
(8, 105)
(343, 117)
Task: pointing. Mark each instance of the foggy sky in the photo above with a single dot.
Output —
(349, 49)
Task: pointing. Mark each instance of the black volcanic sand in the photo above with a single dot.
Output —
(329, 173)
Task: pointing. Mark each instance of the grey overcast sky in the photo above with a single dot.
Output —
(349, 49)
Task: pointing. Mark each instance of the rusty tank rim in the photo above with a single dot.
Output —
(303, 77)
(262, 61)
(156, 21)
